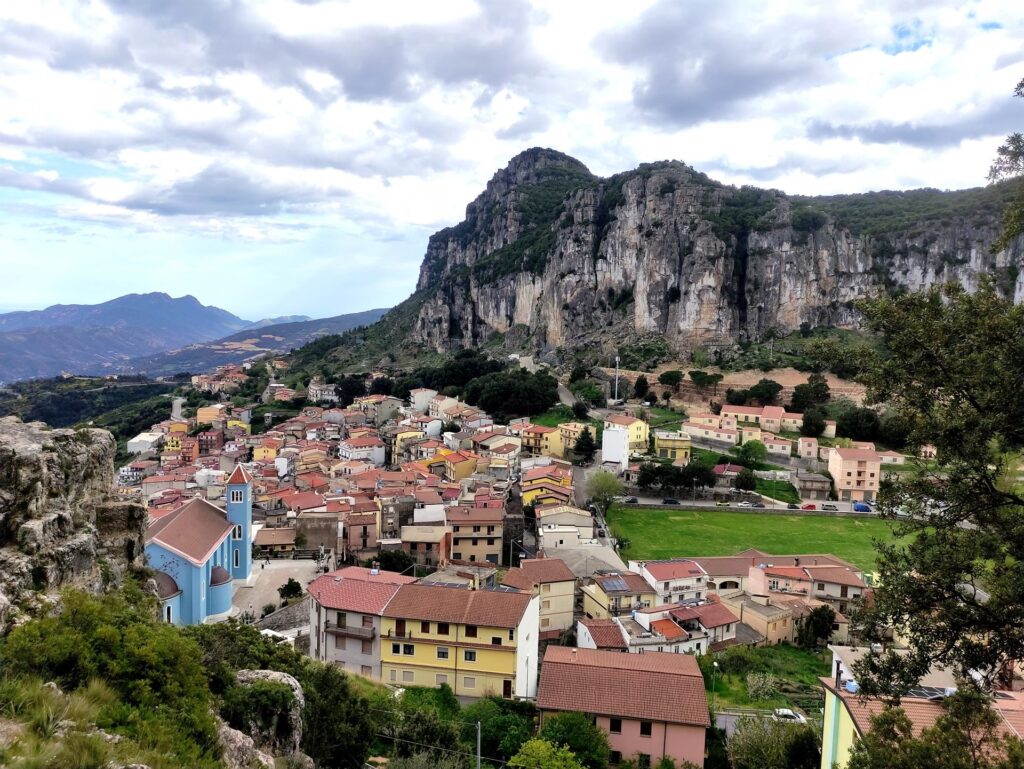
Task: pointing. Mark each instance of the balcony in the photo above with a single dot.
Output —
(351, 631)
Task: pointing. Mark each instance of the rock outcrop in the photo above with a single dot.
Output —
(553, 257)
(59, 522)
(284, 736)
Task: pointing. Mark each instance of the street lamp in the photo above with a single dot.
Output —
(714, 684)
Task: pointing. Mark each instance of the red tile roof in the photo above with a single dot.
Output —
(193, 531)
(468, 607)
(654, 686)
(676, 568)
(367, 575)
(708, 614)
(542, 570)
(607, 633)
(354, 595)
(633, 581)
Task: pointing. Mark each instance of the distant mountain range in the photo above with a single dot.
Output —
(129, 334)
(249, 343)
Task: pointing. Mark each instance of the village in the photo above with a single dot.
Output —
(417, 543)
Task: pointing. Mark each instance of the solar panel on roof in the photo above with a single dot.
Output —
(614, 583)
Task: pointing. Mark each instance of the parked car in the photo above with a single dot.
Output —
(758, 504)
(735, 491)
(786, 715)
(630, 500)
(809, 506)
(722, 503)
(861, 507)
(745, 503)
(791, 506)
(833, 508)
(670, 501)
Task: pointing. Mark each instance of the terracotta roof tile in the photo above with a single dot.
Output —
(193, 531)
(469, 607)
(352, 594)
(675, 568)
(655, 686)
(543, 570)
(607, 633)
(708, 614)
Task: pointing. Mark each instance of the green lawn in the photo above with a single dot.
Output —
(661, 533)
(796, 670)
(711, 458)
(661, 418)
(780, 490)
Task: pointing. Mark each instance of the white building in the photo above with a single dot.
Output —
(144, 442)
(615, 447)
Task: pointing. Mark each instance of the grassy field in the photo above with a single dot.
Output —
(660, 533)
(709, 457)
(795, 669)
(780, 490)
(661, 418)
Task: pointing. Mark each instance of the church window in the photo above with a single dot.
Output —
(237, 496)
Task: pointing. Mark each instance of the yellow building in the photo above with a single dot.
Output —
(478, 642)
(637, 428)
(552, 581)
(209, 414)
(179, 427)
(570, 432)
(267, 451)
(457, 464)
(540, 439)
(404, 436)
(240, 425)
(545, 485)
(616, 594)
(172, 442)
(669, 445)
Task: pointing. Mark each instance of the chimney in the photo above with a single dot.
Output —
(796, 561)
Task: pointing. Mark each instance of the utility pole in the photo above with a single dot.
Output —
(477, 745)
(616, 379)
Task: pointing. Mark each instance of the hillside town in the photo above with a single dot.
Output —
(430, 546)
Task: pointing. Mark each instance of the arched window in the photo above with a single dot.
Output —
(167, 613)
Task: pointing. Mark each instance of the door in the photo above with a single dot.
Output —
(506, 689)
(400, 628)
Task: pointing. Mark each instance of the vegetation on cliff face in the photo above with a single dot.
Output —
(63, 402)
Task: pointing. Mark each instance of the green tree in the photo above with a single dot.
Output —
(671, 379)
(502, 731)
(395, 560)
(579, 373)
(761, 743)
(603, 488)
(541, 754)
(699, 474)
(648, 477)
(745, 480)
(765, 391)
(1009, 164)
(580, 410)
(750, 453)
(860, 424)
(817, 626)
(585, 447)
(737, 397)
(813, 393)
(640, 387)
(336, 731)
(579, 734)
(965, 736)
(418, 727)
(952, 372)
(290, 589)
(813, 424)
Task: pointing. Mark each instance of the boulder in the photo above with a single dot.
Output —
(239, 751)
(281, 741)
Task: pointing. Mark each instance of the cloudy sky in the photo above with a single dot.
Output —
(292, 156)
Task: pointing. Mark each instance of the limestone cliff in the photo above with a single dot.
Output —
(552, 256)
(59, 523)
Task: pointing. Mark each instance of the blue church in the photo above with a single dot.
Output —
(199, 550)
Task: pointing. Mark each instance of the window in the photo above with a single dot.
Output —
(457, 556)
(643, 761)
(476, 541)
(394, 675)
(339, 642)
(645, 728)
(167, 613)
(475, 530)
(442, 652)
(545, 622)
(237, 495)
(615, 725)
(366, 670)
(615, 757)
(424, 627)
(470, 655)
(237, 533)
(496, 640)
(367, 620)
(442, 628)
(490, 540)
(468, 682)
(664, 586)
(396, 648)
(470, 631)
(545, 604)
(408, 676)
(511, 634)
(545, 588)
(367, 647)
(408, 650)
(440, 679)
(821, 586)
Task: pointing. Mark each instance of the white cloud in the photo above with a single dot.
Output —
(283, 122)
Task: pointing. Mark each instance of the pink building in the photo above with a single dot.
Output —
(650, 705)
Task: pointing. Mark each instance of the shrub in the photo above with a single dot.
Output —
(761, 686)
(259, 707)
